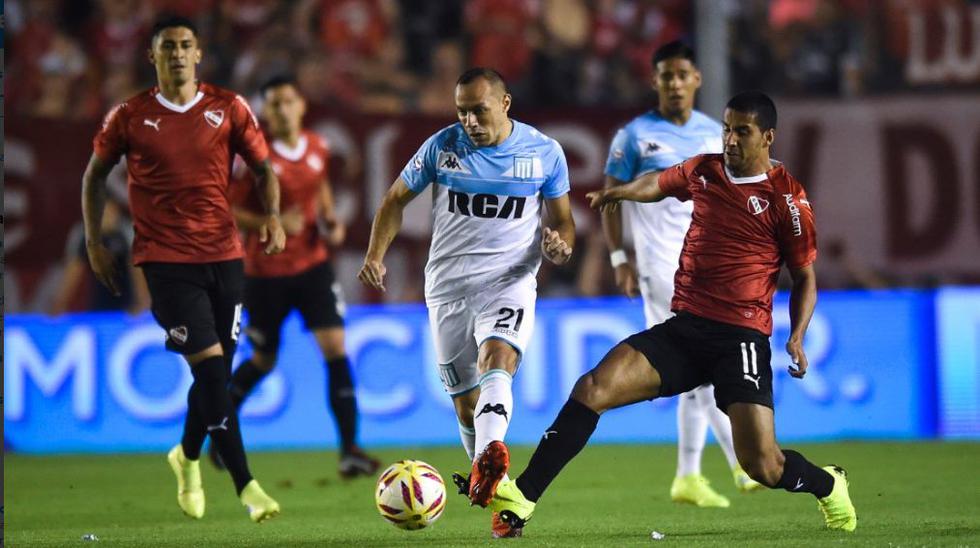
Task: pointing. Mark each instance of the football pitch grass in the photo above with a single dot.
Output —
(906, 494)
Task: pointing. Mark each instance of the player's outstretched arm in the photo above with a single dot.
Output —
(802, 301)
(559, 230)
(271, 230)
(93, 205)
(642, 189)
(387, 222)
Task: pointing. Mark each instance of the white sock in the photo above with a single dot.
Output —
(720, 425)
(494, 408)
(468, 437)
(692, 427)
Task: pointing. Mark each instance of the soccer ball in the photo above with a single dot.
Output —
(410, 494)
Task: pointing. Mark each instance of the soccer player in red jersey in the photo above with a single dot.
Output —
(301, 277)
(750, 217)
(179, 139)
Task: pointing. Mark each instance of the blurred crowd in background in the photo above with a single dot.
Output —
(76, 58)
(73, 59)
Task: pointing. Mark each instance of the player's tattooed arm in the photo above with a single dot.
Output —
(559, 230)
(93, 205)
(387, 222)
(802, 300)
(271, 230)
(645, 188)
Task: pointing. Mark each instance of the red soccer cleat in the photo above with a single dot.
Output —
(488, 470)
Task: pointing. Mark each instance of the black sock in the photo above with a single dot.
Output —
(802, 476)
(243, 381)
(218, 412)
(559, 445)
(194, 428)
(343, 402)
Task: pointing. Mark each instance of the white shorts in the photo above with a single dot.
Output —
(657, 291)
(503, 311)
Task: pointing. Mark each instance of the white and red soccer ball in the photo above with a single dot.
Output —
(410, 494)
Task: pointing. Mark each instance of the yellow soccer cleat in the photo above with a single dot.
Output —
(190, 494)
(511, 510)
(694, 489)
(744, 483)
(260, 505)
(838, 512)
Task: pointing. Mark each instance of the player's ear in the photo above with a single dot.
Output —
(506, 101)
(769, 136)
(697, 79)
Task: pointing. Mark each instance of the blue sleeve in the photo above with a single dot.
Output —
(622, 160)
(556, 184)
(421, 169)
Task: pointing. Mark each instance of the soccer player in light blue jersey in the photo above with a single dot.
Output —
(651, 142)
(489, 177)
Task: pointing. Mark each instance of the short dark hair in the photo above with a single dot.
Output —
(169, 22)
(672, 50)
(491, 76)
(278, 81)
(758, 103)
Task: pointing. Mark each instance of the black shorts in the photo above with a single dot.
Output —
(197, 304)
(314, 292)
(688, 351)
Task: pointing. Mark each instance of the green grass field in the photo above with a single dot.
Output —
(907, 494)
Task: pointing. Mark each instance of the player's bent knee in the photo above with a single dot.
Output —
(263, 361)
(589, 392)
(209, 352)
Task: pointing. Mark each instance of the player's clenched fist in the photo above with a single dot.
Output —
(372, 274)
(272, 232)
(554, 248)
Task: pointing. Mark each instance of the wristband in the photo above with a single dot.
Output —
(618, 257)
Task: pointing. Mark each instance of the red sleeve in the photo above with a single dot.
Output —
(246, 135)
(797, 232)
(110, 142)
(674, 180)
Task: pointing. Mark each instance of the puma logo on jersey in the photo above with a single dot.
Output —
(155, 124)
(704, 182)
(486, 206)
(214, 117)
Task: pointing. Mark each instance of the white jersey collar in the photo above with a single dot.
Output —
(745, 180)
(179, 108)
(291, 154)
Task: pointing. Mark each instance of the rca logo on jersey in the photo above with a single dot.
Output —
(448, 161)
(757, 205)
(794, 213)
(486, 206)
(214, 117)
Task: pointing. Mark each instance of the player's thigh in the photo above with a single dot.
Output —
(740, 365)
(180, 303)
(226, 301)
(267, 303)
(670, 349)
(657, 291)
(451, 325)
(504, 323)
(624, 376)
(319, 298)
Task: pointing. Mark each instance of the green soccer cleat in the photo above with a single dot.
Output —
(512, 510)
(190, 494)
(695, 489)
(260, 505)
(838, 512)
(743, 482)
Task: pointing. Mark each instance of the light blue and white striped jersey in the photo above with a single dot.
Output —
(651, 143)
(486, 206)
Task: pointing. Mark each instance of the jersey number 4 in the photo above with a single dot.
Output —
(508, 314)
